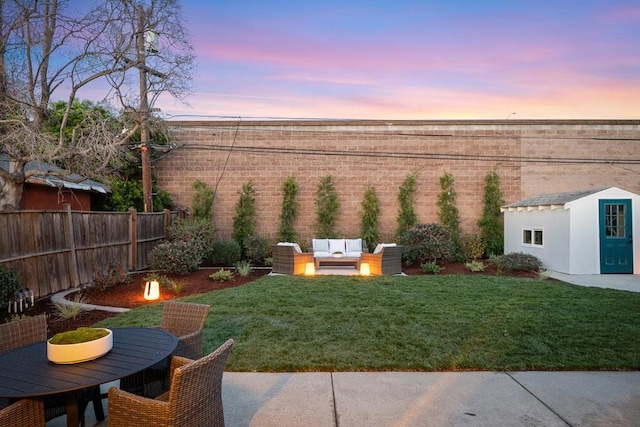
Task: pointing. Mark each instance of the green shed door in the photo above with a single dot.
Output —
(616, 243)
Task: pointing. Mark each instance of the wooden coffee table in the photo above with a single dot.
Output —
(338, 261)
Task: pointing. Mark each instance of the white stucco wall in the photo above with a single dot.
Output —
(554, 253)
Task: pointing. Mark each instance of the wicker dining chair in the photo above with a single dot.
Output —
(186, 321)
(23, 413)
(194, 397)
(30, 330)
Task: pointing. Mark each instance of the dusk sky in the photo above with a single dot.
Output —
(399, 59)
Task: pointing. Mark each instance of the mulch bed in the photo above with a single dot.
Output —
(130, 295)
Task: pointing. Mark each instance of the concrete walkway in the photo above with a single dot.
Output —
(416, 399)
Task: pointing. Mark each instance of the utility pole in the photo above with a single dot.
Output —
(144, 113)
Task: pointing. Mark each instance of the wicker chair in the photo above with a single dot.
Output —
(23, 413)
(194, 397)
(30, 330)
(288, 260)
(387, 261)
(184, 320)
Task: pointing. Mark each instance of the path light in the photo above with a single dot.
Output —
(152, 290)
(365, 270)
(309, 269)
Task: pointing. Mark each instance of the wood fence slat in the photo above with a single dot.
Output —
(57, 250)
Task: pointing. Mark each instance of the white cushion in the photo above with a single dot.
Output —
(321, 245)
(381, 246)
(354, 245)
(295, 245)
(321, 254)
(336, 245)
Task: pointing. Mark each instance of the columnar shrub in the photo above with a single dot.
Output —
(224, 253)
(327, 208)
(202, 201)
(406, 198)
(491, 222)
(286, 232)
(427, 243)
(244, 222)
(177, 257)
(449, 215)
(256, 249)
(369, 221)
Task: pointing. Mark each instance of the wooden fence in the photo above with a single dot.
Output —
(57, 250)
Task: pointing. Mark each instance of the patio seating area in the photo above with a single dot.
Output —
(289, 259)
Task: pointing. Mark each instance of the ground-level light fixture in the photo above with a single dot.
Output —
(152, 290)
(365, 269)
(309, 269)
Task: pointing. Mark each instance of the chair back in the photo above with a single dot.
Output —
(22, 333)
(195, 394)
(181, 318)
(23, 413)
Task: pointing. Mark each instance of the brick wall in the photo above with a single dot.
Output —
(531, 157)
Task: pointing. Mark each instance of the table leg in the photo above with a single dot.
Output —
(73, 417)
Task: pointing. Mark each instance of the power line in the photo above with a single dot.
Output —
(410, 155)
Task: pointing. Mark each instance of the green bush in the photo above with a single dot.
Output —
(473, 246)
(222, 276)
(492, 221)
(10, 283)
(475, 266)
(256, 249)
(224, 253)
(244, 268)
(517, 261)
(176, 257)
(430, 267)
(198, 231)
(427, 242)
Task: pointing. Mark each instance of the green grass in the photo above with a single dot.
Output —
(416, 323)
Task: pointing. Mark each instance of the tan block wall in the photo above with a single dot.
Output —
(226, 154)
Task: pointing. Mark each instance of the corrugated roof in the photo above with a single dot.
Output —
(71, 181)
(553, 199)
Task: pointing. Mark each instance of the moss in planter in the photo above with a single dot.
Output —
(78, 336)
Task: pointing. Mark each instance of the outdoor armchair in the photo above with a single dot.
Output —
(185, 320)
(384, 260)
(23, 413)
(194, 397)
(289, 259)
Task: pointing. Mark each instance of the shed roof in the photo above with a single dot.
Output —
(71, 181)
(551, 200)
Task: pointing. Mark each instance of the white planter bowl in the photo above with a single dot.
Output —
(81, 352)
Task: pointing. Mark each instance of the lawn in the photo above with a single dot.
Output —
(416, 323)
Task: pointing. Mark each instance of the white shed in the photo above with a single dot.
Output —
(579, 232)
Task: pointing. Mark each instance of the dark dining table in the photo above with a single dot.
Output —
(27, 373)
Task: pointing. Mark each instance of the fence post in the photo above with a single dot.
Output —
(133, 232)
(167, 223)
(75, 279)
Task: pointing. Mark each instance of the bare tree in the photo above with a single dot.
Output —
(49, 49)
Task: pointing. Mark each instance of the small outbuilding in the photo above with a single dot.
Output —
(578, 232)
